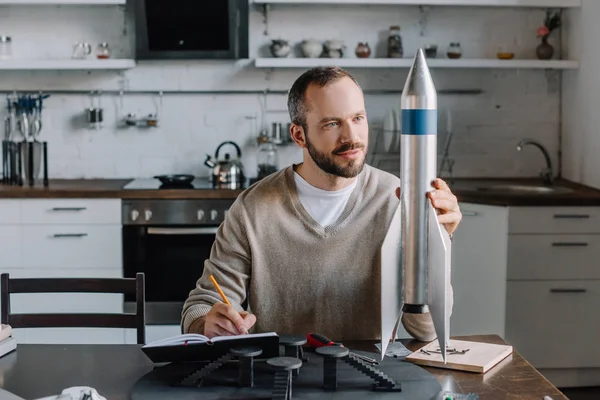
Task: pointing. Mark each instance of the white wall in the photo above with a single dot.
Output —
(514, 104)
(581, 96)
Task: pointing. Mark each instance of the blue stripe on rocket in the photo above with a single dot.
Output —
(419, 122)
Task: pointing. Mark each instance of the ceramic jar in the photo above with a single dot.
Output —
(334, 48)
(280, 48)
(311, 48)
(362, 50)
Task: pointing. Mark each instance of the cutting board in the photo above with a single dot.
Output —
(480, 357)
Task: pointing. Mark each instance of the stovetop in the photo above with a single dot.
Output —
(196, 184)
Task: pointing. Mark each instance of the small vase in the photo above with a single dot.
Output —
(362, 50)
(544, 51)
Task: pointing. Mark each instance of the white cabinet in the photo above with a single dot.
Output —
(63, 238)
(10, 234)
(479, 270)
(71, 246)
(71, 211)
(554, 285)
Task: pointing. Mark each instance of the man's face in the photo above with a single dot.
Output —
(337, 137)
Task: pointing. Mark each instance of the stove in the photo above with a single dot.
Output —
(168, 239)
(198, 183)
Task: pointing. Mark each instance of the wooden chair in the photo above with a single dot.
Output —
(75, 285)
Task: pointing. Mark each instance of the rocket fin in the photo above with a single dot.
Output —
(391, 281)
(439, 249)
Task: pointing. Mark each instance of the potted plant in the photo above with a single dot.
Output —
(545, 51)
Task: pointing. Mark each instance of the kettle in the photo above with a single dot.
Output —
(227, 172)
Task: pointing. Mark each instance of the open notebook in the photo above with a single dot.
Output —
(196, 338)
(196, 347)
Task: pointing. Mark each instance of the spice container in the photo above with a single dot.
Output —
(267, 157)
(5, 47)
(103, 51)
(431, 51)
(454, 50)
(395, 48)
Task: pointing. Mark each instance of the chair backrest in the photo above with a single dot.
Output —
(75, 285)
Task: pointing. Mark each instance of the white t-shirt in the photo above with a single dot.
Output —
(325, 206)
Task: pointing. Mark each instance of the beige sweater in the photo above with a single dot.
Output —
(301, 277)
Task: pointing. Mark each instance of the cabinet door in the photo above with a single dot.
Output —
(71, 211)
(479, 252)
(560, 219)
(555, 324)
(553, 256)
(10, 211)
(10, 246)
(71, 246)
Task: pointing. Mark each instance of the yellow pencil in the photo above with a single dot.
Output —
(219, 290)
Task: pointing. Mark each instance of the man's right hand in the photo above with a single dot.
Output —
(224, 320)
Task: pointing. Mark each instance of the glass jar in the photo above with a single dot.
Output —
(5, 47)
(395, 48)
(103, 51)
(267, 157)
(454, 50)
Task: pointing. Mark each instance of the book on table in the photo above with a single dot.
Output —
(196, 347)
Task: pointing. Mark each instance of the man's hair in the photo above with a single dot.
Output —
(320, 76)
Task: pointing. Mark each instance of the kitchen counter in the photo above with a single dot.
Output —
(488, 191)
(37, 370)
(523, 192)
(107, 188)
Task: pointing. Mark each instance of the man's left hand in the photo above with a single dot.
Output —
(445, 203)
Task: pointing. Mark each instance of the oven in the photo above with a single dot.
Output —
(168, 240)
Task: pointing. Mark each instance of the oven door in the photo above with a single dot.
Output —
(172, 259)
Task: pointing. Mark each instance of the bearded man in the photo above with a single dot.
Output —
(298, 251)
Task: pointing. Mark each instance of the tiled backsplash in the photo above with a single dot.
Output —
(514, 104)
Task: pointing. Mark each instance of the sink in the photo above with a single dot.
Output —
(525, 189)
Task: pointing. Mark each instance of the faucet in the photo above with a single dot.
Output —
(546, 173)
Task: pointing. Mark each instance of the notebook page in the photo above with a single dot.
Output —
(191, 338)
(248, 336)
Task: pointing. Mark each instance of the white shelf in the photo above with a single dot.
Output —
(407, 62)
(67, 64)
(478, 3)
(62, 2)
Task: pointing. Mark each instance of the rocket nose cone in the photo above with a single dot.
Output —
(420, 58)
(419, 90)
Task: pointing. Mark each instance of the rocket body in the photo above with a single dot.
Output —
(416, 253)
(417, 172)
(425, 244)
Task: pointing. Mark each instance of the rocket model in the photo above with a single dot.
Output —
(416, 275)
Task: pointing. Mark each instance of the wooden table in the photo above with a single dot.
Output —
(513, 378)
(38, 370)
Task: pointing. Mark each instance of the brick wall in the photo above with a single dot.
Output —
(514, 104)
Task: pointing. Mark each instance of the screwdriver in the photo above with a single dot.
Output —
(317, 340)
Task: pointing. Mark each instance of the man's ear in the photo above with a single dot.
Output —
(297, 134)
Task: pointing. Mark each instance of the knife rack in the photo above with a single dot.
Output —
(21, 162)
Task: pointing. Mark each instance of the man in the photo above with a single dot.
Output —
(301, 246)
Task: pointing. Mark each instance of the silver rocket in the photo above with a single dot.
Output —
(421, 279)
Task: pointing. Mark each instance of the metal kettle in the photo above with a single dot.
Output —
(226, 172)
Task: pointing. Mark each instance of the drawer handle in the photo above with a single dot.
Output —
(470, 213)
(68, 208)
(69, 235)
(569, 244)
(568, 290)
(574, 216)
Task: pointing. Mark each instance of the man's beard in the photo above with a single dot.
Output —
(328, 165)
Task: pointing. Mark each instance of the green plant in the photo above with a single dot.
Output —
(551, 22)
